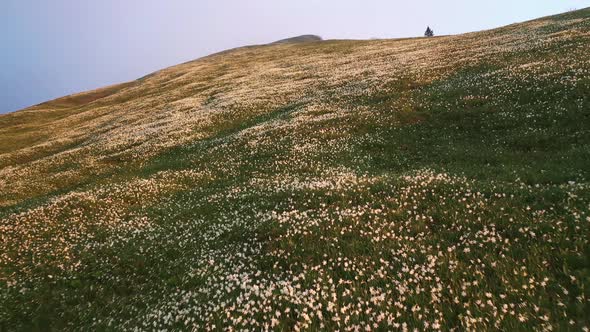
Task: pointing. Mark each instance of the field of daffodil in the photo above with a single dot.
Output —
(414, 184)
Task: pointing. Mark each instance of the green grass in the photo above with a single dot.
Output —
(461, 202)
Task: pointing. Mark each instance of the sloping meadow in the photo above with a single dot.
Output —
(436, 184)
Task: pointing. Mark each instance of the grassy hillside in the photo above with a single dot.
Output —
(438, 183)
(299, 39)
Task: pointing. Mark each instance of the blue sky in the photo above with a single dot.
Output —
(58, 47)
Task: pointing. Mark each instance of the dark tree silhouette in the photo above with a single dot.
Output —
(429, 32)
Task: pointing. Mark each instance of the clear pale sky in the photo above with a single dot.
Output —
(51, 48)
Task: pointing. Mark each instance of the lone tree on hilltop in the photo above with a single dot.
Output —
(429, 32)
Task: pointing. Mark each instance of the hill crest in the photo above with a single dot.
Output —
(298, 39)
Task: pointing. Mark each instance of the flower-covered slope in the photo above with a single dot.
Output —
(432, 183)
